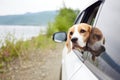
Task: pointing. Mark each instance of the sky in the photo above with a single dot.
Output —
(10, 7)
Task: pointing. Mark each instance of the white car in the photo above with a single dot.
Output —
(104, 14)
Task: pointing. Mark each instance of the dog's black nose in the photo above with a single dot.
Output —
(74, 39)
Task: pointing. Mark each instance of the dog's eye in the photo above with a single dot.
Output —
(82, 31)
(71, 33)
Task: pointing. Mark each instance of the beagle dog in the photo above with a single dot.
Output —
(77, 36)
(96, 43)
(83, 37)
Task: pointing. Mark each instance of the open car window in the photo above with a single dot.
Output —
(88, 15)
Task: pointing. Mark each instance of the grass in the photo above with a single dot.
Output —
(13, 49)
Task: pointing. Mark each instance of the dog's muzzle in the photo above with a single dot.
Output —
(75, 44)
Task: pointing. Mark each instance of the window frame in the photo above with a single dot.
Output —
(85, 15)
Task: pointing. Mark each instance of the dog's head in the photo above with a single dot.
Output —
(77, 36)
(96, 42)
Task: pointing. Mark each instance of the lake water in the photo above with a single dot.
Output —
(20, 32)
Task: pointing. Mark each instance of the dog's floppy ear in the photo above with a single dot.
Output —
(95, 36)
(68, 45)
(96, 43)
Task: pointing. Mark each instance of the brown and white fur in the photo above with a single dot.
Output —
(96, 43)
(77, 36)
(85, 38)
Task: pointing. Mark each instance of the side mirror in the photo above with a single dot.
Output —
(60, 36)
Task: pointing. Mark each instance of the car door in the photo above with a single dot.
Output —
(73, 67)
(106, 18)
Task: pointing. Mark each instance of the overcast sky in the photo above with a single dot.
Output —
(9, 7)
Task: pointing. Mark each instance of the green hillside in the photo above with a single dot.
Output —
(36, 19)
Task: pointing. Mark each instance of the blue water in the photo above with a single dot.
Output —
(20, 32)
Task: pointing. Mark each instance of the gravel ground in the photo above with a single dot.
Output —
(37, 65)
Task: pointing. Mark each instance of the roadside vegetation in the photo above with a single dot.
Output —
(13, 49)
(63, 21)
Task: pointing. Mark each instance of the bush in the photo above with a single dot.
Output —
(63, 21)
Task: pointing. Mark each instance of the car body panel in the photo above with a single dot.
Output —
(72, 67)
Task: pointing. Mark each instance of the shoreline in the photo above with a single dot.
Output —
(20, 32)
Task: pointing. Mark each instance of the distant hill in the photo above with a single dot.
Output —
(37, 19)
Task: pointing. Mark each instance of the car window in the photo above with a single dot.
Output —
(88, 15)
